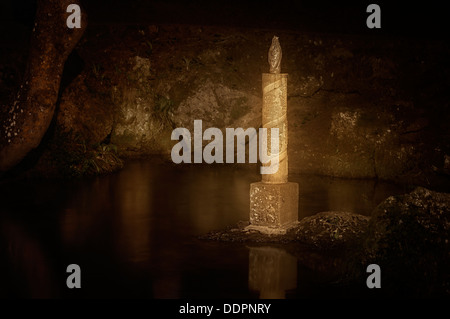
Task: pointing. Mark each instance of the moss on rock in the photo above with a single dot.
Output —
(409, 237)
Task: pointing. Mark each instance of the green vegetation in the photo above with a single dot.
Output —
(100, 160)
(162, 107)
(187, 62)
(72, 157)
(97, 70)
(149, 49)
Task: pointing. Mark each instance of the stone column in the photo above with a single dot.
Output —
(274, 115)
(274, 200)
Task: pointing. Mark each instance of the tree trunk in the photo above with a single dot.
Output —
(26, 120)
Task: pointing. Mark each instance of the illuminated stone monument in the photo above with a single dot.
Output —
(274, 200)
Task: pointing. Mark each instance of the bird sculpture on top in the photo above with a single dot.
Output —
(275, 56)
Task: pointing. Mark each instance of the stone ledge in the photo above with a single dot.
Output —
(271, 230)
(325, 230)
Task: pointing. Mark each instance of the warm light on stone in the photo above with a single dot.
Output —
(274, 200)
(274, 115)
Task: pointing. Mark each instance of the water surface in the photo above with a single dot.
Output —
(135, 233)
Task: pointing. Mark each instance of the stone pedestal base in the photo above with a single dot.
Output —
(273, 205)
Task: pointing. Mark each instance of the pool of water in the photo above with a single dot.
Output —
(134, 234)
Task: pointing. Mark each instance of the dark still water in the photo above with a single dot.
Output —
(134, 234)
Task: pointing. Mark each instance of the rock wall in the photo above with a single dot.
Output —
(357, 107)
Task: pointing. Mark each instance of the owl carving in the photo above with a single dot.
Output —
(275, 56)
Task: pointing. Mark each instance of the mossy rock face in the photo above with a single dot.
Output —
(73, 158)
(409, 237)
(322, 231)
(85, 113)
(218, 106)
(330, 230)
(382, 118)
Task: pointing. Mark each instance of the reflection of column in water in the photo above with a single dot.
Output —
(272, 271)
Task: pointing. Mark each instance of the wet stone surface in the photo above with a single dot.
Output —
(325, 230)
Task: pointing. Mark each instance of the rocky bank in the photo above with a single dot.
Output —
(406, 235)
